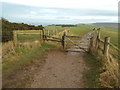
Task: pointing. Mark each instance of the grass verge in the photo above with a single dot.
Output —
(93, 74)
(24, 58)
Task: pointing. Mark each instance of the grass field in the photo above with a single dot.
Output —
(30, 38)
(53, 29)
(113, 34)
(81, 29)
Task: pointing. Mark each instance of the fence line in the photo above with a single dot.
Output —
(102, 49)
(27, 33)
(78, 37)
(44, 35)
(106, 42)
(98, 47)
(16, 33)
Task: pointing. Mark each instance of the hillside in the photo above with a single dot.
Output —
(107, 25)
(8, 27)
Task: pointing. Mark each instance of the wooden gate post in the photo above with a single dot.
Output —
(106, 46)
(93, 29)
(48, 33)
(14, 38)
(66, 32)
(91, 44)
(43, 34)
(63, 40)
(55, 31)
(98, 38)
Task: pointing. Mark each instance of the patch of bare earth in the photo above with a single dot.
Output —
(61, 70)
(24, 76)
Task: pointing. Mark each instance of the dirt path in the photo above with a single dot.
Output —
(62, 70)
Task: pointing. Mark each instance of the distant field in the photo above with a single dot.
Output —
(109, 29)
(81, 29)
(28, 38)
(53, 29)
(113, 34)
(113, 26)
(31, 38)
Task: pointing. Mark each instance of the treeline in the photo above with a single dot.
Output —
(8, 27)
(64, 25)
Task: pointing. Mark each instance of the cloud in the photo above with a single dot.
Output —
(49, 10)
(36, 15)
(32, 12)
(85, 4)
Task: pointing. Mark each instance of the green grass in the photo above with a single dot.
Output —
(28, 31)
(28, 38)
(24, 57)
(80, 29)
(83, 29)
(53, 29)
(93, 74)
(31, 38)
(113, 34)
(105, 32)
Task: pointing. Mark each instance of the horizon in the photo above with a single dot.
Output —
(65, 23)
(49, 12)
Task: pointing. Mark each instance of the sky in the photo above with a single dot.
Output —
(47, 12)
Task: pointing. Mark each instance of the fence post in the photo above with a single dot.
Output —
(93, 29)
(48, 33)
(63, 40)
(98, 38)
(91, 44)
(106, 46)
(66, 32)
(43, 34)
(14, 38)
(55, 31)
(40, 35)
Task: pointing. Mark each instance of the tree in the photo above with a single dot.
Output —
(6, 30)
(8, 27)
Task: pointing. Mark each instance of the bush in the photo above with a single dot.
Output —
(8, 27)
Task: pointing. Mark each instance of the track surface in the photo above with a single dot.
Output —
(62, 70)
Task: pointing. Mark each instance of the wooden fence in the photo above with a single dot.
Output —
(16, 33)
(108, 54)
(45, 35)
(103, 45)
(106, 51)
